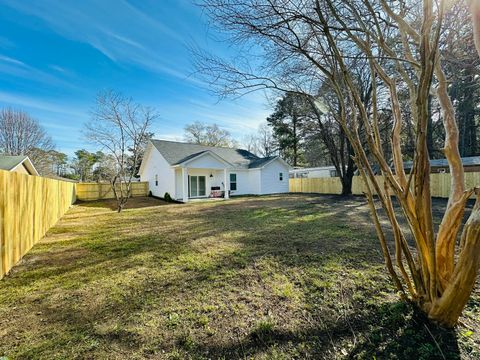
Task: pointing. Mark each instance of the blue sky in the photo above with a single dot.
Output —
(56, 55)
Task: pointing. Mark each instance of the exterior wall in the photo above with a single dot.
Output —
(22, 170)
(312, 172)
(320, 173)
(206, 162)
(177, 195)
(256, 181)
(157, 165)
(247, 182)
(446, 169)
(270, 182)
(216, 180)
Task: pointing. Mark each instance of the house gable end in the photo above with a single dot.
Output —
(207, 159)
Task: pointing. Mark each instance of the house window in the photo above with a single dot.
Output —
(280, 176)
(156, 180)
(233, 182)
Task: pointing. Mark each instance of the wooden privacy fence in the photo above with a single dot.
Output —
(29, 206)
(98, 191)
(439, 184)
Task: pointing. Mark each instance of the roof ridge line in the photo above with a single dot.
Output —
(208, 146)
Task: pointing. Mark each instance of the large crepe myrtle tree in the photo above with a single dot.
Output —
(308, 45)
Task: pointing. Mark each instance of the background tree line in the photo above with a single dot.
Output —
(21, 134)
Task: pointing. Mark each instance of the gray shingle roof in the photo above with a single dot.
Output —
(177, 152)
(467, 161)
(260, 162)
(8, 162)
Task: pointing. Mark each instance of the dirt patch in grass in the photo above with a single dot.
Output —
(275, 277)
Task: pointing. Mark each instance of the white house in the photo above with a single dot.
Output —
(188, 171)
(316, 172)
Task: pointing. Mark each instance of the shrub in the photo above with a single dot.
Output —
(167, 197)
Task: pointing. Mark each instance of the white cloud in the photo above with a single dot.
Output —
(19, 69)
(117, 29)
(10, 60)
(40, 104)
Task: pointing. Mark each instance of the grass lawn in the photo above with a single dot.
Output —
(278, 277)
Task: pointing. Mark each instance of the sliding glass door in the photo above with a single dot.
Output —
(197, 186)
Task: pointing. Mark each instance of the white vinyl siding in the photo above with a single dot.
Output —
(270, 178)
(206, 161)
(158, 173)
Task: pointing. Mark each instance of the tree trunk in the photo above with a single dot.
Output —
(430, 146)
(447, 309)
(347, 185)
(347, 178)
(295, 142)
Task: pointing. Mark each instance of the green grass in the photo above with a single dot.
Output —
(277, 277)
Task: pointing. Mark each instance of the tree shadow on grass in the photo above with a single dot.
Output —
(134, 203)
(395, 330)
(402, 331)
(124, 270)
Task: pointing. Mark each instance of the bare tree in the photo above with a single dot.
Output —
(20, 134)
(208, 135)
(261, 142)
(309, 43)
(249, 143)
(325, 124)
(119, 126)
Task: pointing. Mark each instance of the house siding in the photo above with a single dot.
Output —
(312, 172)
(270, 182)
(22, 170)
(215, 180)
(206, 161)
(244, 184)
(157, 165)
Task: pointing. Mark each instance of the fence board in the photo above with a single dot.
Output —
(439, 184)
(29, 206)
(98, 191)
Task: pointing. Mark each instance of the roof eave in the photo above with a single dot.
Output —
(276, 158)
(28, 164)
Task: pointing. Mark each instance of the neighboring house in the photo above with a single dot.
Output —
(470, 164)
(187, 171)
(316, 172)
(20, 164)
